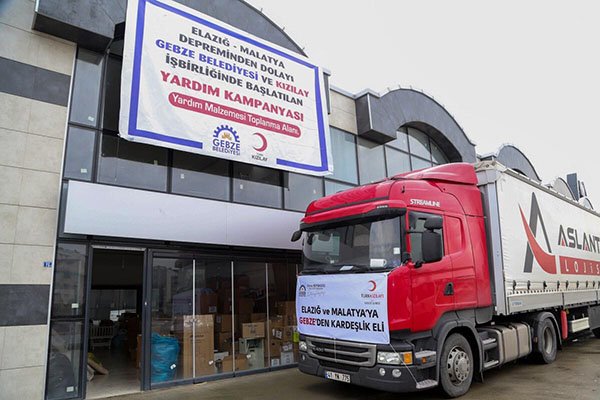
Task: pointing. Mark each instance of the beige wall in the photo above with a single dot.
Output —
(31, 147)
(343, 112)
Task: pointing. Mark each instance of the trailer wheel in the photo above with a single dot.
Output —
(596, 332)
(546, 349)
(456, 366)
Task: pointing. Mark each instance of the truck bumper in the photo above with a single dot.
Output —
(369, 376)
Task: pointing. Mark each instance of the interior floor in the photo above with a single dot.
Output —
(122, 376)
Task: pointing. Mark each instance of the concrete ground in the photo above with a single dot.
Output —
(575, 375)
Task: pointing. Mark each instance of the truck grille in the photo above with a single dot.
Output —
(337, 351)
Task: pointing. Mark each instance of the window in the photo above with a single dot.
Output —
(79, 156)
(300, 190)
(69, 280)
(374, 244)
(419, 163)
(256, 185)
(112, 94)
(66, 353)
(86, 88)
(131, 164)
(202, 176)
(397, 161)
(419, 143)
(401, 141)
(343, 152)
(437, 155)
(412, 150)
(416, 222)
(332, 187)
(371, 161)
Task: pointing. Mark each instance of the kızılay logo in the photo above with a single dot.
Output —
(260, 148)
(226, 140)
(372, 286)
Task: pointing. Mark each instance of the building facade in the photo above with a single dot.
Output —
(169, 267)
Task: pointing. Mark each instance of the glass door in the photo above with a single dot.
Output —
(212, 315)
(191, 318)
(172, 319)
(250, 315)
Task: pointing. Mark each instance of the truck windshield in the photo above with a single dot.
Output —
(367, 246)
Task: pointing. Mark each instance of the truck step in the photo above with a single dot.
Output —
(490, 364)
(489, 343)
(426, 384)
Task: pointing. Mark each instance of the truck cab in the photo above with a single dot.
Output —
(425, 231)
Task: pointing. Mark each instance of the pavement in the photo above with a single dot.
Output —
(574, 375)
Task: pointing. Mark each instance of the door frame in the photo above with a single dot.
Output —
(195, 255)
(88, 293)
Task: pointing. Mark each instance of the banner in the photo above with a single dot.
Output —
(193, 83)
(343, 306)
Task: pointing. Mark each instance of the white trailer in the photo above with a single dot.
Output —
(544, 248)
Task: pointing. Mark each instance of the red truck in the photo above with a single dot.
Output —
(432, 277)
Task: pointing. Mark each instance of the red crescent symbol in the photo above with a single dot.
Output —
(264, 142)
(374, 286)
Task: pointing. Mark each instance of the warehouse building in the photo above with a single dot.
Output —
(169, 267)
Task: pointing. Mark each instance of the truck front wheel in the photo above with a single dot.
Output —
(456, 366)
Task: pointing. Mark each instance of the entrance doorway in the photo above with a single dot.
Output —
(115, 323)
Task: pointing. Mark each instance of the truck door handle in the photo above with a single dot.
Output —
(449, 290)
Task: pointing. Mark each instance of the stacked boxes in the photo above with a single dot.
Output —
(283, 334)
(204, 344)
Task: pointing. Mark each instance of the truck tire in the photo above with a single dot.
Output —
(545, 349)
(596, 332)
(456, 366)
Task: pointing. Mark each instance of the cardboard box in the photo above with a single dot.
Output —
(253, 330)
(204, 344)
(276, 321)
(287, 358)
(286, 333)
(244, 305)
(206, 303)
(276, 347)
(223, 322)
(286, 308)
(258, 317)
(241, 363)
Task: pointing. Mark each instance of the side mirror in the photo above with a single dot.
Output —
(296, 236)
(432, 246)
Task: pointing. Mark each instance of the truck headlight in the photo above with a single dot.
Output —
(386, 357)
(302, 346)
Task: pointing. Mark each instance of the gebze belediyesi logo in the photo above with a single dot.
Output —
(226, 140)
(302, 291)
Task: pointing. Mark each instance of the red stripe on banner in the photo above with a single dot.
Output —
(232, 114)
(579, 266)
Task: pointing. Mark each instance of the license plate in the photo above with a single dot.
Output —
(336, 376)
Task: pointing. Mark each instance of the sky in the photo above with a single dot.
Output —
(525, 73)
